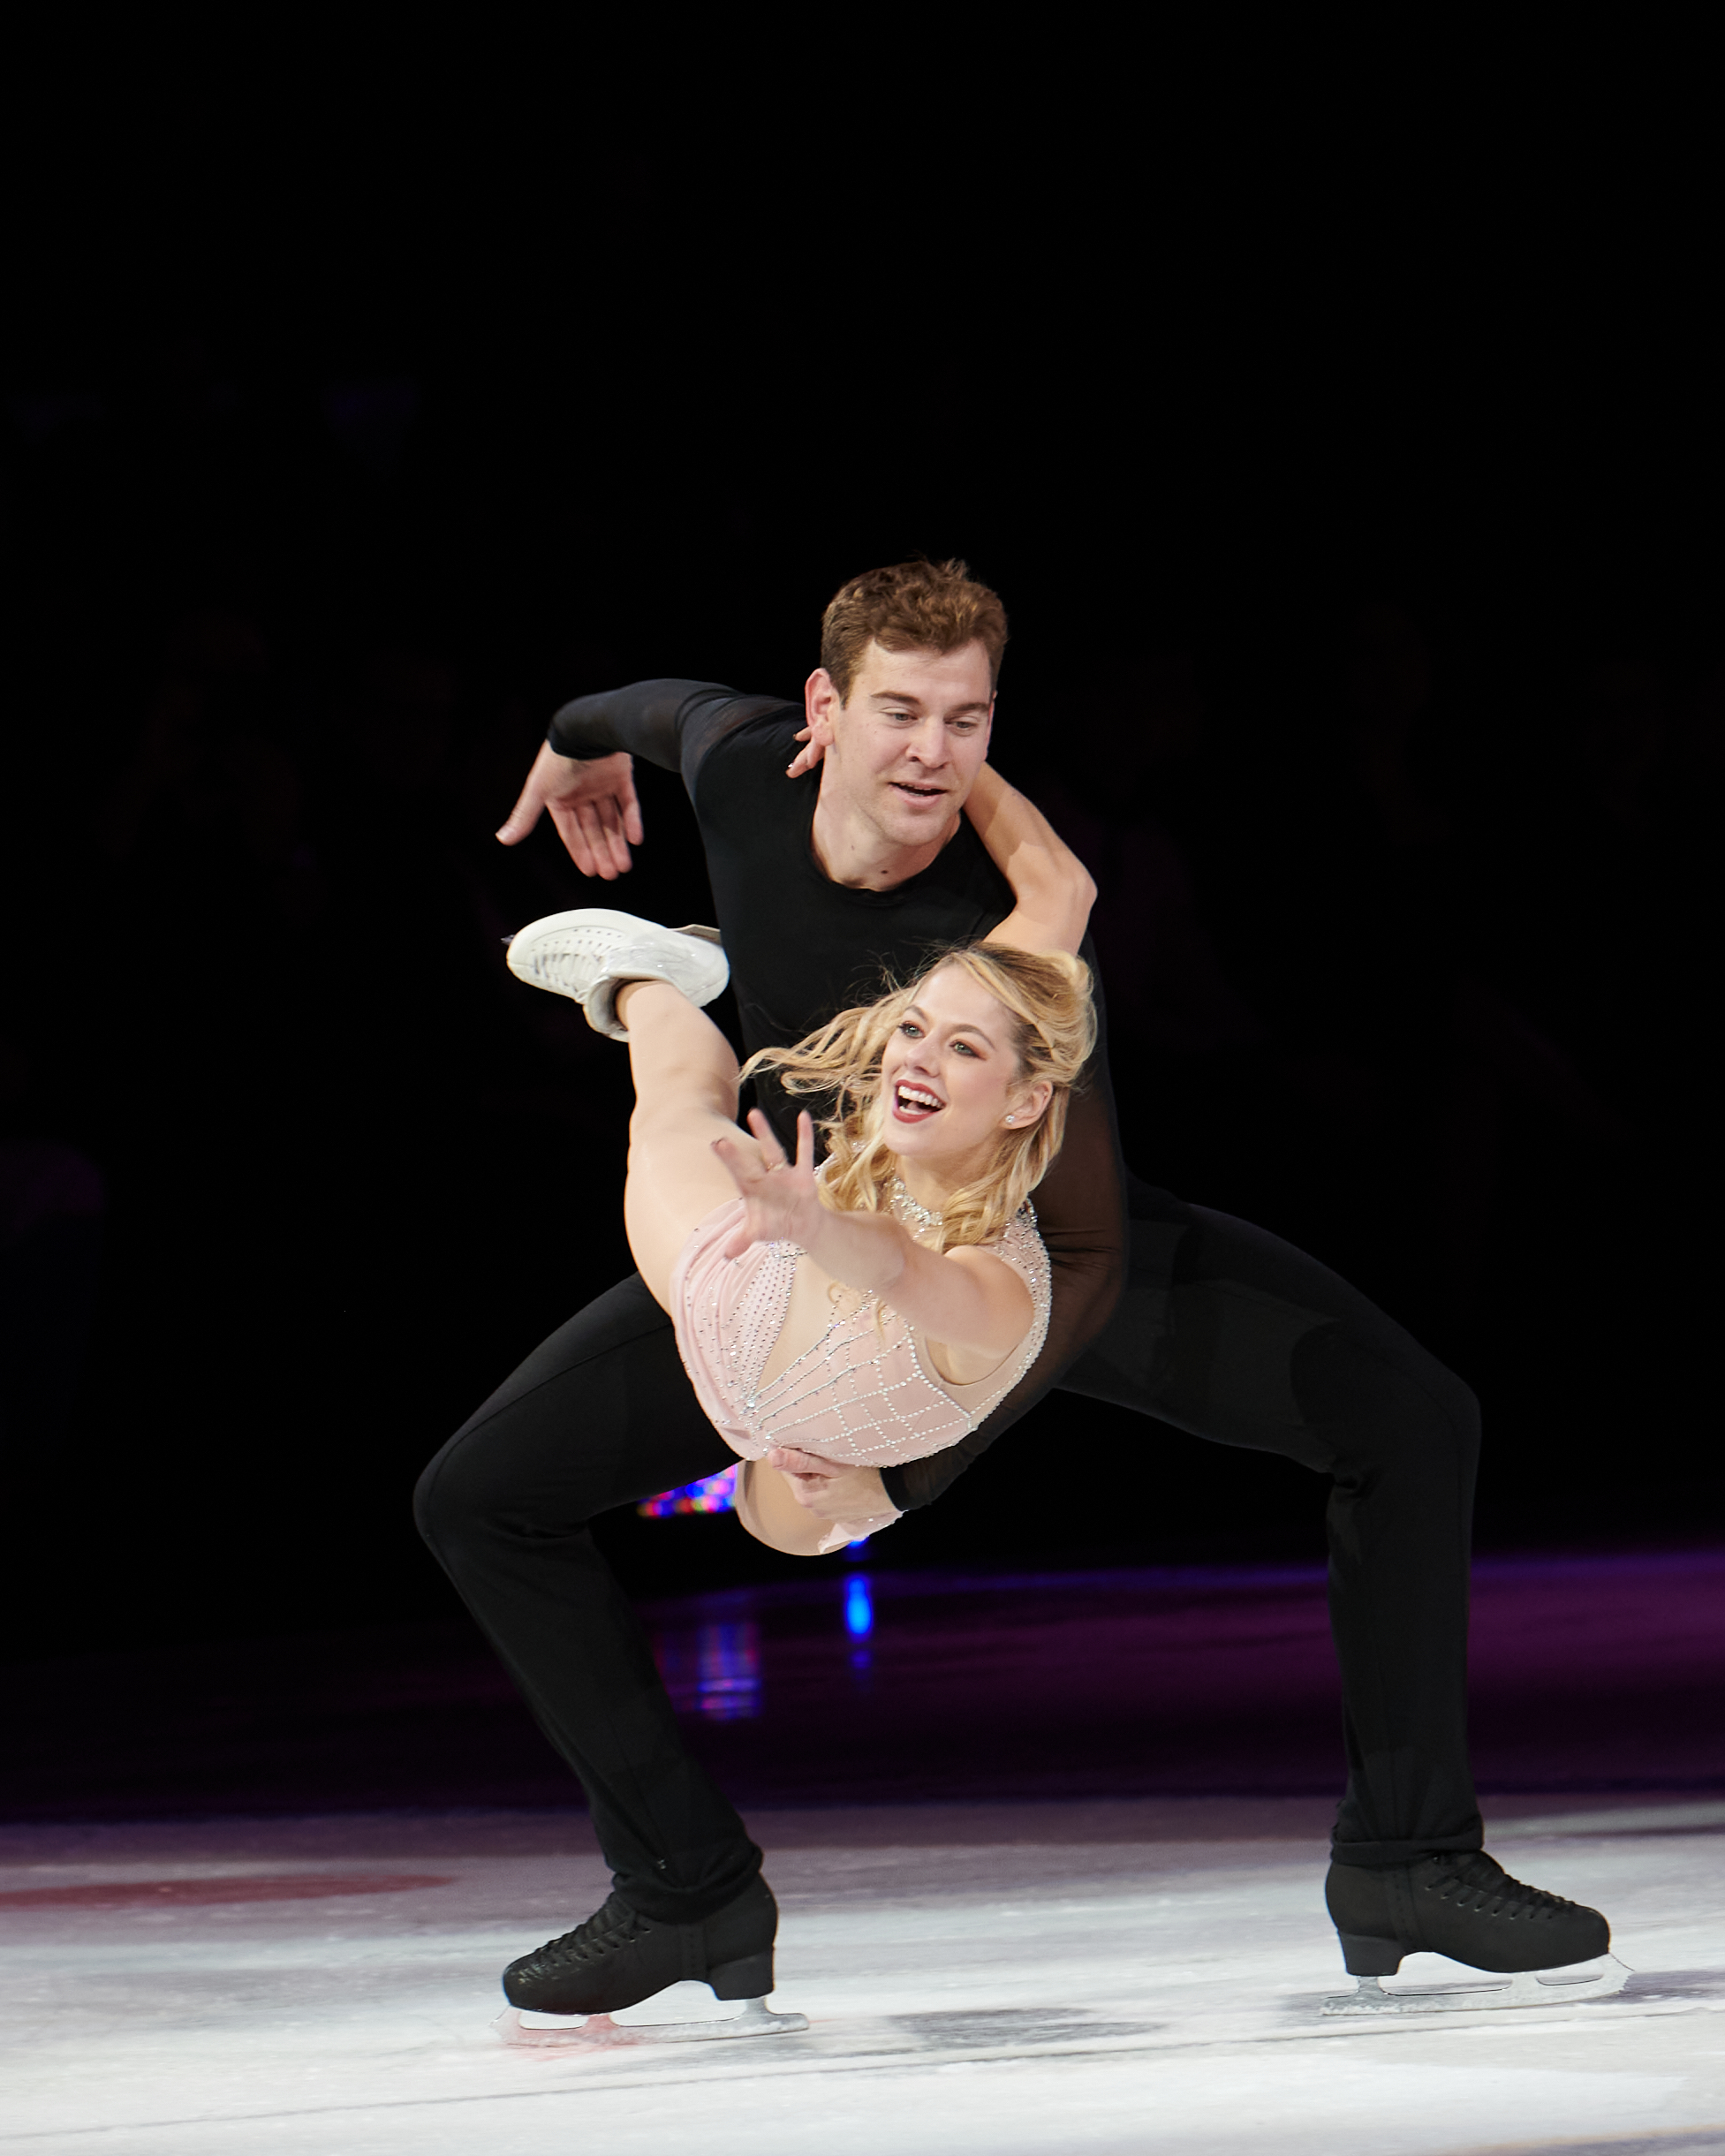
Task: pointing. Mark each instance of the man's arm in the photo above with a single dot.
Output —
(1052, 889)
(583, 775)
(1081, 1216)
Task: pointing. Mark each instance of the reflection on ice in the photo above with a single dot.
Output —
(859, 1622)
(711, 1670)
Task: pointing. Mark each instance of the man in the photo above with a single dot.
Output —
(820, 880)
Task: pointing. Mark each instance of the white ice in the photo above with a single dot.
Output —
(1132, 1977)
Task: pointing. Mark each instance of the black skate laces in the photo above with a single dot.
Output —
(1480, 1882)
(608, 1929)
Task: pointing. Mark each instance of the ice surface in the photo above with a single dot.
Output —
(1130, 1977)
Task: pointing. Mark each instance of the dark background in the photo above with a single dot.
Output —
(1340, 427)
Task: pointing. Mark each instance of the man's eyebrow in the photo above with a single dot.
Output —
(916, 1010)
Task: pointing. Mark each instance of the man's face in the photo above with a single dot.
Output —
(904, 749)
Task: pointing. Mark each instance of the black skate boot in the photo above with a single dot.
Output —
(1466, 1906)
(617, 1958)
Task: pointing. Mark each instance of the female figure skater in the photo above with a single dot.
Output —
(875, 1310)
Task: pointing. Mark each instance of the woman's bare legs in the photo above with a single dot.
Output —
(686, 1096)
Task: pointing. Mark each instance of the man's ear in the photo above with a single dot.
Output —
(820, 702)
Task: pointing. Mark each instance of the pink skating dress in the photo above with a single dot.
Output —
(863, 1394)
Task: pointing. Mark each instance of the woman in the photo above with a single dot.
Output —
(875, 1310)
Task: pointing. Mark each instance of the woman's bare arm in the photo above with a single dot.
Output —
(1051, 885)
(966, 1299)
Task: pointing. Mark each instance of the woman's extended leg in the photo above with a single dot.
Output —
(686, 1096)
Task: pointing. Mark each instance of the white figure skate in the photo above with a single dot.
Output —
(587, 955)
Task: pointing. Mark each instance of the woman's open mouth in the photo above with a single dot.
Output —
(914, 1104)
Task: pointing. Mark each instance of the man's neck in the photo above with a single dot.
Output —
(852, 850)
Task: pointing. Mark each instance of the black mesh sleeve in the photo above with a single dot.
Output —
(669, 722)
(1080, 1209)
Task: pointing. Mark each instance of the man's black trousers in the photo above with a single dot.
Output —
(1222, 1330)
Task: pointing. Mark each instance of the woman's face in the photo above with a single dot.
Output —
(950, 1079)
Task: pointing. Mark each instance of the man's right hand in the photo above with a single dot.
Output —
(592, 803)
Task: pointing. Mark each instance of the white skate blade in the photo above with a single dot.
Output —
(1485, 1991)
(600, 2033)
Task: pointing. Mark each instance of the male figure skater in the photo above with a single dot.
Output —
(1205, 1322)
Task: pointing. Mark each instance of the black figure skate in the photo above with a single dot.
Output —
(1466, 1906)
(618, 1958)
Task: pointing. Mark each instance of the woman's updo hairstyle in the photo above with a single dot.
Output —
(1048, 995)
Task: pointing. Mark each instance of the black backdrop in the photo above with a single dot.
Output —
(367, 404)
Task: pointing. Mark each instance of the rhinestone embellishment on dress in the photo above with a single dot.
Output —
(861, 1392)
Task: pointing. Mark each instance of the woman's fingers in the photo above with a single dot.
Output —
(742, 1160)
(771, 1152)
(773, 1200)
(765, 1214)
(726, 1149)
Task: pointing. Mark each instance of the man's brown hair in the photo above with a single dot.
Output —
(914, 606)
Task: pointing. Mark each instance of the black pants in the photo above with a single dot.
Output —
(1222, 1330)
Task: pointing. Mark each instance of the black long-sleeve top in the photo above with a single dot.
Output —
(802, 947)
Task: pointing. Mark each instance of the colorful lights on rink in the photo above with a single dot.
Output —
(712, 1493)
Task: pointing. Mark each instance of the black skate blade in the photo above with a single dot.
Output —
(600, 2033)
(1485, 1992)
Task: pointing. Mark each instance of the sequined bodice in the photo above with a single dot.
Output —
(863, 1390)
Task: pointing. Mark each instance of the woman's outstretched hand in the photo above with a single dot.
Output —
(780, 1202)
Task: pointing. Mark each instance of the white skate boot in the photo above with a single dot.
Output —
(589, 953)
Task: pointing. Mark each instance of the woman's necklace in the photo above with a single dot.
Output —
(907, 1209)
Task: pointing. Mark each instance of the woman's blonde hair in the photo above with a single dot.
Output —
(1048, 995)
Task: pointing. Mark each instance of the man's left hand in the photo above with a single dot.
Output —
(806, 757)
